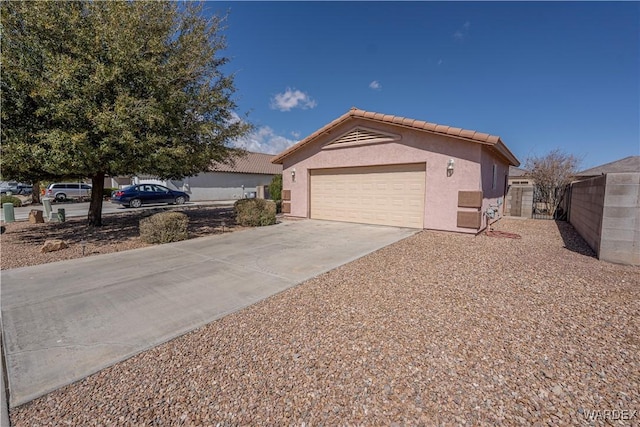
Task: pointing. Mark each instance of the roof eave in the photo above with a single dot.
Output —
(502, 149)
(325, 129)
(484, 139)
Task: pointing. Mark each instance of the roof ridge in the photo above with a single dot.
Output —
(466, 134)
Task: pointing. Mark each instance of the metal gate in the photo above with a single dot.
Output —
(541, 209)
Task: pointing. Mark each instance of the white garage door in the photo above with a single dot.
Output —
(385, 195)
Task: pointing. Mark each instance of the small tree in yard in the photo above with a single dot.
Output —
(552, 174)
(91, 88)
(275, 188)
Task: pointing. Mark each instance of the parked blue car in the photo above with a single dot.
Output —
(145, 194)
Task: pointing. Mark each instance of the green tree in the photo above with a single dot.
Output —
(91, 88)
(275, 188)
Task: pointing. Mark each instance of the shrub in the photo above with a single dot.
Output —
(164, 227)
(255, 212)
(16, 202)
(275, 188)
(106, 192)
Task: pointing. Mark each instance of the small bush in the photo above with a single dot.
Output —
(255, 212)
(164, 227)
(106, 192)
(16, 202)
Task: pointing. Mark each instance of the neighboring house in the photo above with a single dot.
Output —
(519, 200)
(382, 169)
(628, 164)
(519, 176)
(250, 176)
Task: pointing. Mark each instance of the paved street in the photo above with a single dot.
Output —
(73, 209)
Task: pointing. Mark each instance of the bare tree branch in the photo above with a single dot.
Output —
(552, 174)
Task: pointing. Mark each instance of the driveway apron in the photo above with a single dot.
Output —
(66, 320)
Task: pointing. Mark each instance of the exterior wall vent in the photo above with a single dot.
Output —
(361, 135)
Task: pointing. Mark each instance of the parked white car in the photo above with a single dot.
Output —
(62, 191)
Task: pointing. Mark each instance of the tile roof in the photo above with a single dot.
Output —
(517, 172)
(469, 135)
(259, 163)
(628, 164)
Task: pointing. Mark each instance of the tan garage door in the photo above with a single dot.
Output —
(385, 195)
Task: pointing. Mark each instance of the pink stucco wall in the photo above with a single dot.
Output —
(441, 193)
(493, 196)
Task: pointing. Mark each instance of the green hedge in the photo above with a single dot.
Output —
(164, 227)
(11, 199)
(106, 192)
(275, 188)
(255, 212)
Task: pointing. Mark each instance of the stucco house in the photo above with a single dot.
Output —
(249, 176)
(519, 199)
(627, 164)
(383, 169)
(519, 176)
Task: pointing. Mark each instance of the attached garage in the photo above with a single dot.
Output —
(382, 169)
(383, 195)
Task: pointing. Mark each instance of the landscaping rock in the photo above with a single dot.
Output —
(438, 329)
(35, 216)
(53, 245)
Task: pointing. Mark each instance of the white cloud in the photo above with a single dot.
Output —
(264, 140)
(292, 98)
(440, 61)
(375, 85)
(463, 32)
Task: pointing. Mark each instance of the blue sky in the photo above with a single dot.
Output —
(541, 75)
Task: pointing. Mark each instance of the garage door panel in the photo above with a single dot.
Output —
(385, 195)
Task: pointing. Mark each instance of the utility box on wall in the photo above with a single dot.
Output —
(469, 218)
(470, 199)
(286, 201)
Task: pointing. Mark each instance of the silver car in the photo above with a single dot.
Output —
(62, 191)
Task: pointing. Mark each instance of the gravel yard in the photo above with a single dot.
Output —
(21, 241)
(438, 329)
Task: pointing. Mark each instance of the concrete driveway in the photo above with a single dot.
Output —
(64, 321)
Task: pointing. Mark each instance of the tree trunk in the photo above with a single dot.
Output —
(95, 207)
(35, 194)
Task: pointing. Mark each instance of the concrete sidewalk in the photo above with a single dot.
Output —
(66, 320)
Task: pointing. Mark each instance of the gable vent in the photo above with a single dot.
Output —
(363, 136)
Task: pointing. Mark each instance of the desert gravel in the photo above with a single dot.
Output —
(21, 241)
(438, 329)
